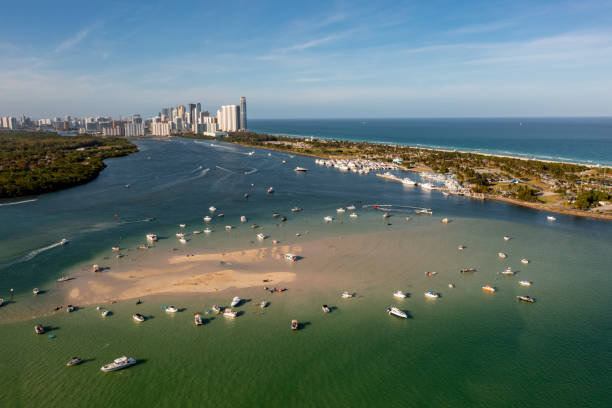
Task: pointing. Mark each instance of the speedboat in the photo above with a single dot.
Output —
(400, 294)
(347, 295)
(284, 161)
(182, 240)
(74, 361)
(525, 283)
(104, 313)
(424, 211)
(207, 230)
(251, 153)
(70, 308)
(270, 190)
(152, 237)
(291, 257)
(432, 294)
(394, 311)
(325, 309)
(216, 309)
(263, 304)
(118, 364)
(551, 218)
(115, 249)
(461, 247)
(212, 208)
(196, 232)
(180, 235)
(508, 271)
(39, 329)
(506, 238)
(236, 301)
(243, 218)
(261, 236)
(182, 225)
(502, 255)
(431, 274)
(302, 169)
(229, 313)
(275, 215)
(36, 291)
(171, 309)
(488, 288)
(208, 218)
(386, 215)
(525, 260)
(138, 317)
(228, 227)
(283, 218)
(340, 210)
(328, 218)
(354, 215)
(427, 186)
(444, 220)
(64, 241)
(408, 181)
(197, 319)
(296, 209)
(526, 298)
(466, 270)
(351, 208)
(96, 268)
(294, 325)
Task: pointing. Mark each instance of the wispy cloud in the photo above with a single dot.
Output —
(72, 41)
(482, 28)
(314, 43)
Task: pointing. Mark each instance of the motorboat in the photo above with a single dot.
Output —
(431, 274)
(263, 304)
(551, 218)
(283, 161)
(508, 271)
(95, 268)
(208, 218)
(502, 255)
(328, 218)
(347, 295)
(1, 301)
(261, 236)
(400, 294)
(296, 209)
(63, 278)
(432, 294)
(243, 218)
(104, 313)
(212, 208)
(294, 325)
(525, 260)
(394, 311)
(182, 225)
(488, 288)
(143, 246)
(506, 238)
(70, 308)
(526, 298)
(467, 270)
(354, 215)
(386, 215)
(246, 195)
(451, 285)
(297, 234)
(64, 241)
(197, 319)
(115, 249)
(291, 257)
(182, 240)
(196, 232)
(275, 215)
(207, 230)
(251, 153)
(340, 210)
(74, 361)
(236, 301)
(39, 329)
(427, 186)
(216, 309)
(444, 220)
(270, 190)
(301, 169)
(118, 364)
(171, 309)
(283, 218)
(424, 211)
(36, 291)
(152, 237)
(351, 208)
(138, 317)
(525, 283)
(230, 313)
(228, 227)
(180, 235)
(461, 247)
(325, 309)
(408, 181)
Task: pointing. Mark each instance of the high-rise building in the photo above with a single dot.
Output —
(243, 113)
(180, 111)
(134, 129)
(228, 118)
(161, 129)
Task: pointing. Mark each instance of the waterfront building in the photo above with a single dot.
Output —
(180, 111)
(228, 118)
(134, 128)
(161, 128)
(243, 113)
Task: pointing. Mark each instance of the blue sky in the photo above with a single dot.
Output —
(308, 59)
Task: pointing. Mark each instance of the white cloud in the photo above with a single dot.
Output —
(72, 41)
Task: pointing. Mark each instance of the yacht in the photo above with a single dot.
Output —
(118, 364)
(502, 255)
(138, 317)
(427, 186)
(525, 283)
(328, 218)
(294, 325)
(207, 230)
(64, 241)
(236, 301)
(432, 294)
(354, 215)
(270, 190)
(36, 291)
(182, 240)
(261, 236)
(525, 260)
(296, 209)
(74, 361)
(325, 309)
(208, 218)
(394, 311)
(228, 227)
(526, 298)
(70, 308)
(171, 309)
(351, 208)
(39, 329)
(197, 319)
(340, 210)
(104, 313)
(180, 235)
(243, 218)
(152, 237)
(182, 225)
(229, 313)
(407, 181)
(302, 169)
(508, 271)
(488, 288)
(216, 309)
(212, 208)
(551, 218)
(506, 238)
(347, 295)
(115, 249)
(290, 257)
(263, 304)
(400, 294)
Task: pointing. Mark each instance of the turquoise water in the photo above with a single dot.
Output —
(467, 348)
(582, 140)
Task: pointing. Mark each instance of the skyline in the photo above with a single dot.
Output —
(315, 60)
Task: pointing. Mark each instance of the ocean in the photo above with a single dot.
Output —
(465, 349)
(580, 140)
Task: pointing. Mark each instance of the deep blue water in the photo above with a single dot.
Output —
(584, 140)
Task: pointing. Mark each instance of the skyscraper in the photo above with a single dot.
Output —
(243, 113)
(229, 118)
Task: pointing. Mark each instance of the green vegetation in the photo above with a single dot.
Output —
(41, 162)
(590, 198)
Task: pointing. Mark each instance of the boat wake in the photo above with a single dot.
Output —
(224, 169)
(31, 255)
(18, 202)
(250, 171)
(394, 207)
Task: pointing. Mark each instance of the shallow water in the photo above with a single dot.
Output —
(467, 348)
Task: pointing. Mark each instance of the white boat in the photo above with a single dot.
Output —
(294, 325)
(152, 237)
(182, 240)
(502, 255)
(180, 235)
(74, 361)
(243, 218)
(444, 220)
(216, 309)
(351, 208)
(36, 291)
(229, 313)
(461, 247)
(451, 285)
(251, 153)
(386, 215)
(394, 311)
(551, 218)
(427, 186)
(400, 294)
(302, 169)
(407, 181)
(291, 257)
(118, 364)
(270, 190)
(432, 294)
(263, 304)
(208, 218)
(115, 249)
(207, 230)
(506, 238)
(212, 208)
(525, 283)
(171, 309)
(261, 236)
(508, 271)
(70, 308)
(328, 218)
(182, 225)
(220, 215)
(1, 301)
(104, 313)
(347, 295)
(354, 215)
(228, 227)
(197, 319)
(340, 210)
(64, 241)
(424, 211)
(525, 260)
(39, 329)
(138, 317)
(236, 301)
(296, 209)
(196, 232)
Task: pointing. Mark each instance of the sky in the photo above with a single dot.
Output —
(314, 59)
